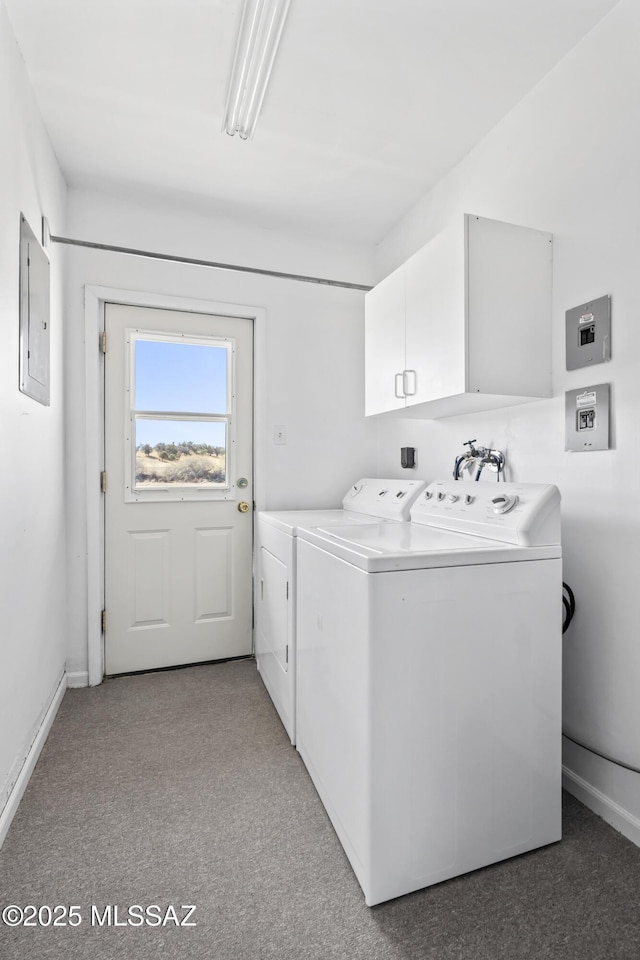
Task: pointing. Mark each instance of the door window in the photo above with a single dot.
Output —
(179, 436)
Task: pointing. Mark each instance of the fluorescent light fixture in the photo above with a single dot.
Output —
(258, 38)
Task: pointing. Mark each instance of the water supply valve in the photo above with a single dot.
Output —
(475, 459)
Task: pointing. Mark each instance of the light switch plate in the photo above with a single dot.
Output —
(588, 333)
(587, 418)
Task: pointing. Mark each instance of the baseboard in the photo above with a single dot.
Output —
(20, 785)
(623, 821)
(78, 679)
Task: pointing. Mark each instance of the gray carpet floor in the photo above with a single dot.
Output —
(182, 788)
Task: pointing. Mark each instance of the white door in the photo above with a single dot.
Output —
(178, 500)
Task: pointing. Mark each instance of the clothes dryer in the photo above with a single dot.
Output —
(429, 682)
(275, 603)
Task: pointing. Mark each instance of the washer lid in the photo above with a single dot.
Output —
(289, 520)
(381, 547)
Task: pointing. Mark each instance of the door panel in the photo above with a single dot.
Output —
(213, 553)
(148, 581)
(178, 436)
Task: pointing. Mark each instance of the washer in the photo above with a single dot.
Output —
(429, 682)
(275, 603)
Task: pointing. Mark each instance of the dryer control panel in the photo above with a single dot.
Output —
(522, 513)
(387, 499)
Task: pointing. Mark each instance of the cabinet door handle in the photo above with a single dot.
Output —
(400, 396)
(409, 377)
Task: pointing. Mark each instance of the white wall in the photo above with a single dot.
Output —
(313, 369)
(567, 159)
(32, 525)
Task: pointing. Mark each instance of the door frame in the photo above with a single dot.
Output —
(95, 298)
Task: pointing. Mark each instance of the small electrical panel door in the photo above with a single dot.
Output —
(34, 316)
(587, 418)
(588, 329)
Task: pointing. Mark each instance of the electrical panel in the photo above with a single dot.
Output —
(588, 332)
(34, 313)
(587, 418)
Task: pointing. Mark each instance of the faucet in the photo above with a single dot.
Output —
(470, 454)
(481, 457)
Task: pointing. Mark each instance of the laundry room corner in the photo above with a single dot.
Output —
(565, 160)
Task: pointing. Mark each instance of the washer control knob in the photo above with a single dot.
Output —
(428, 494)
(440, 495)
(452, 497)
(504, 503)
(469, 498)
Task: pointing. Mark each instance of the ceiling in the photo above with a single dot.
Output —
(370, 103)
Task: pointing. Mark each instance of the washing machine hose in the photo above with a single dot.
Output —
(569, 603)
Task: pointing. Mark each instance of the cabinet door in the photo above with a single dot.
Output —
(274, 609)
(435, 318)
(384, 345)
(275, 619)
(509, 312)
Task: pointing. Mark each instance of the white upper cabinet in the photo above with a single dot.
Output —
(463, 325)
(384, 344)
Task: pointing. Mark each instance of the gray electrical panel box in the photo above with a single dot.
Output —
(589, 333)
(587, 418)
(34, 316)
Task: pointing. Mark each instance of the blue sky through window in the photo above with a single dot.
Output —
(180, 377)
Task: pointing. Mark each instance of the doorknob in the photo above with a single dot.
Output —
(243, 506)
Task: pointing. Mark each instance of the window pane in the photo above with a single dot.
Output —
(180, 377)
(180, 452)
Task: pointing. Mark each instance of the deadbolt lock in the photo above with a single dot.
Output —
(243, 506)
